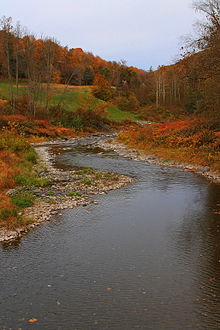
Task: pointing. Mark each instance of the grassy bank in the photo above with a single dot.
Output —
(17, 160)
(196, 141)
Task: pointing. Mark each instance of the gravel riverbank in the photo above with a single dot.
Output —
(71, 188)
(67, 189)
(135, 154)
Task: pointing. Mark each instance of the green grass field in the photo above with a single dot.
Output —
(115, 114)
(72, 99)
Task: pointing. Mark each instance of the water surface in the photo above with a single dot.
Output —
(146, 257)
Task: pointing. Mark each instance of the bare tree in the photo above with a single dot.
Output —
(7, 28)
(18, 33)
(209, 29)
(48, 53)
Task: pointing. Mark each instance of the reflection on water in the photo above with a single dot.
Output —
(146, 257)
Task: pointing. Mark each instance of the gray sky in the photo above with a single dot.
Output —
(142, 32)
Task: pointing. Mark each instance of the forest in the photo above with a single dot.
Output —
(188, 87)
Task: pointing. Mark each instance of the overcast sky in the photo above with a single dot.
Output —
(142, 32)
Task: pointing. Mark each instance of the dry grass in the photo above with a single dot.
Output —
(189, 141)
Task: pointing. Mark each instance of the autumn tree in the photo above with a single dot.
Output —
(193, 82)
(40, 62)
(209, 66)
(102, 89)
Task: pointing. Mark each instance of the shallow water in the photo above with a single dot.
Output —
(146, 257)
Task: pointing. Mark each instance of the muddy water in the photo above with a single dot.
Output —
(146, 257)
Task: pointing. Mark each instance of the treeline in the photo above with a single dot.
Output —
(23, 55)
(40, 62)
(191, 86)
(194, 82)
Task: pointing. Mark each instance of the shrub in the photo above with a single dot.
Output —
(43, 182)
(23, 199)
(6, 178)
(30, 156)
(26, 180)
(4, 106)
(84, 119)
(127, 103)
(31, 180)
(13, 142)
(72, 120)
(8, 213)
(103, 89)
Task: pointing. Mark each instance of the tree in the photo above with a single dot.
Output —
(18, 33)
(209, 30)
(7, 28)
(88, 75)
(209, 40)
(102, 89)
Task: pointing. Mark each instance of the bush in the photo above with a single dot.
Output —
(23, 199)
(13, 142)
(127, 103)
(26, 180)
(102, 89)
(84, 119)
(31, 180)
(30, 156)
(72, 120)
(43, 182)
(8, 213)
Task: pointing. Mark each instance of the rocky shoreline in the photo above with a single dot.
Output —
(72, 188)
(135, 154)
(67, 189)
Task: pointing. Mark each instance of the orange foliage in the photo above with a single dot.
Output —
(31, 128)
(10, 221)
(62, 131)
(191, 138)
(7, 170)
(174, 125)
(5, 202)
(15, 117)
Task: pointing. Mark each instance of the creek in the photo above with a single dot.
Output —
(147, 256)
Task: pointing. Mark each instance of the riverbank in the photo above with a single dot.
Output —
(69, 188)
(192, 144)
(142, 155)
(66, 189)
(119, 254)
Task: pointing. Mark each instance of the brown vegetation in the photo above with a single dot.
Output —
(196, 141)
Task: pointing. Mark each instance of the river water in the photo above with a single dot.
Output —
(147, 256)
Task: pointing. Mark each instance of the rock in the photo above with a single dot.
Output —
(10, 192)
